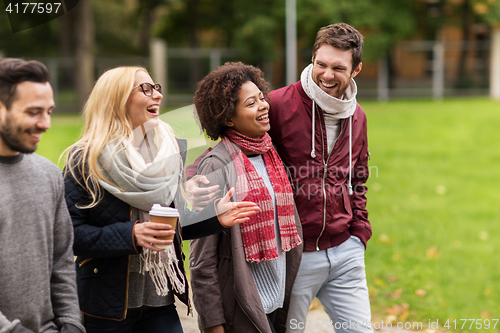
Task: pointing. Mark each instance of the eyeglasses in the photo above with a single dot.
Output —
(147, 88)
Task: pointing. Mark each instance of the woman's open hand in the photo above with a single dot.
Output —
(231, 213)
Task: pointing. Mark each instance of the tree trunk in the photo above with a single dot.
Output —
(462, 80)
(84, 51)
(147, 17)
(195, 75)
(65, 34)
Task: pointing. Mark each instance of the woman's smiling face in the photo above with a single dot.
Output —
(141, 108)
(251, 112)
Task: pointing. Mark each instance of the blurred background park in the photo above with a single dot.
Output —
(430, 86)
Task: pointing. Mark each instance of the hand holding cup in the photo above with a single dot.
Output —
(158, 233)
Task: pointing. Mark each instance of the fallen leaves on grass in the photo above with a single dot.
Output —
(432, 253)
(396, 294)
(385, 239)
(483, 235)
(392, 279)
(396, 256)
(486, 315)
(391, 319)
(420, 292)
(441, 189)
(398, 312)
(376, 187)
(379, 282)
(372, 291)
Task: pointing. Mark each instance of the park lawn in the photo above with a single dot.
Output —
(433, 202)
(65, 130)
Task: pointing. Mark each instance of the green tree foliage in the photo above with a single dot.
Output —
(38, 41)
(382, 23)
(488, 11)
(257, 29)
(116, 26)
(253, 28)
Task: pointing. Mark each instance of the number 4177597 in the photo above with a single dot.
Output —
(474, 323)
(33, 8)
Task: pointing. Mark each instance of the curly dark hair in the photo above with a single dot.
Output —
(217, 95)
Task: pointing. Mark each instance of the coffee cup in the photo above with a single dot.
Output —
(160, 214)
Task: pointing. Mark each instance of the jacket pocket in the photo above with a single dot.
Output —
(347, 200)
(339, 215)
(102, 287)
(225, 262)
(225, 270)
(92, 268)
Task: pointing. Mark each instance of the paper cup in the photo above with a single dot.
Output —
(169, 215)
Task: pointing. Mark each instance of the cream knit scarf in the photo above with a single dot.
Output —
(141, 185)
(334, 107)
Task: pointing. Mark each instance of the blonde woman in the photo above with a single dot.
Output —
(126, 161)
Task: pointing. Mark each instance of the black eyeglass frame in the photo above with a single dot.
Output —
(155, 86)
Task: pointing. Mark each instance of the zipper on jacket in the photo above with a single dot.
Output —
(128, 274)
(127, 286)
(325, 171)
(84, 261)
(247, 315)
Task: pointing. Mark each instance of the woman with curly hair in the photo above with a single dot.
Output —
(126, 161)
(242, 278)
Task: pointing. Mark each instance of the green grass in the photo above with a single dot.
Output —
(65, 130)
(433, 201)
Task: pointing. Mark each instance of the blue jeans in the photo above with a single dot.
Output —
(151, 320)
(335, 276)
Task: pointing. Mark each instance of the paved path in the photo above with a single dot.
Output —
(189, 323)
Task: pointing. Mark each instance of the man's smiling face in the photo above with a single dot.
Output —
(332, 70)
(22, 125)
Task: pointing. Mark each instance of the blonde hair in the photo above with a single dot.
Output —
(106, 120)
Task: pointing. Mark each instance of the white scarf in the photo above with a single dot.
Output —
(136, 182)
(334, 107)
(141, 185)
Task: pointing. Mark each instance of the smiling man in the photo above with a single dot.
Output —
(37, 275)
(319, 131)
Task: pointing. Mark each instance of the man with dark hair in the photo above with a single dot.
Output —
(320, 132)
(37, 275)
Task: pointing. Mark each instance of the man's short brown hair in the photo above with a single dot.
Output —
(341, 36)
(14, 71)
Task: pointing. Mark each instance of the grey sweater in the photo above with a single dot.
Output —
(37, 272)
(270, 276)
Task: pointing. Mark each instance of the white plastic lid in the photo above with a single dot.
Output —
(159, 210)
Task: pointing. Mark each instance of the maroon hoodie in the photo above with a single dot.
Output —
(328, 212)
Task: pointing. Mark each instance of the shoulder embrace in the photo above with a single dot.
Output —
(214, 160)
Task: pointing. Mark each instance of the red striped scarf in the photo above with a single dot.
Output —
(259, 239)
